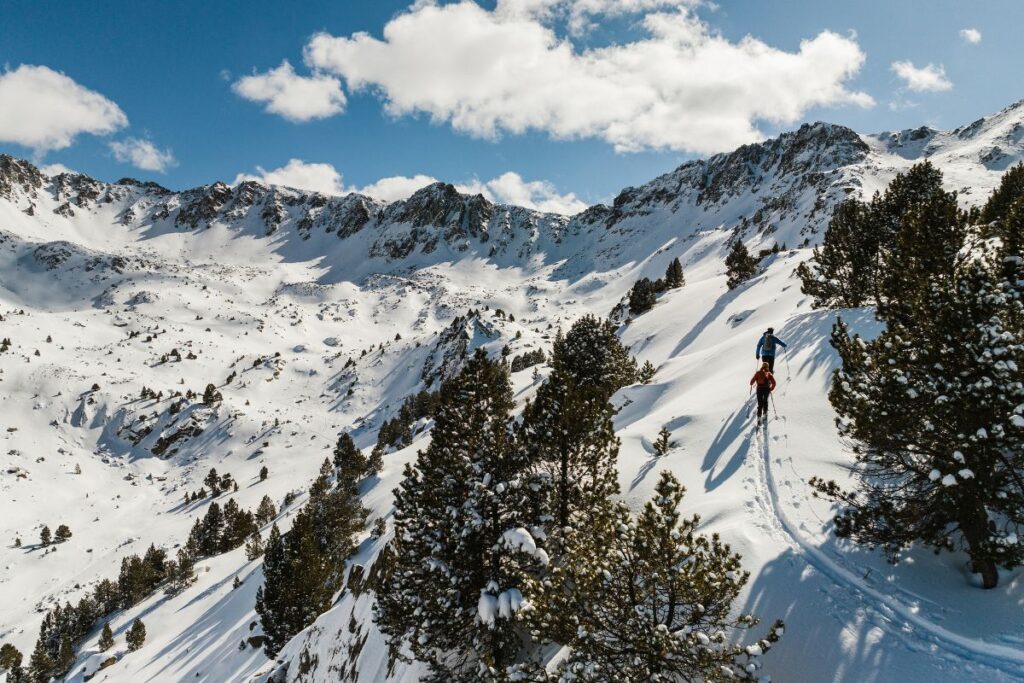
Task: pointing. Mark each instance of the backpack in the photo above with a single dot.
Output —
(769, 344)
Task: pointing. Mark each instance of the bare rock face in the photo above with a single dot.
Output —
(200, 206)
(433, 214)
(17, 175)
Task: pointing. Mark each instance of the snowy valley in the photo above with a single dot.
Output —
(315, 315)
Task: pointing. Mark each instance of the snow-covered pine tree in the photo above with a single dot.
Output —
(933, 406)
(568, 436)
(740, 266)
(656, 605)
(674, 277)
(462, 541)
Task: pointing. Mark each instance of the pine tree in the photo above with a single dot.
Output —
(211, 529)
(932, 406)
(10, 657)
(264, 473)
(136, 635)
(461, 546)
(304, 569)
(657, 604)
(63, 533)
(212, 480)
(843, 272)
(184, 570)
(642, 297)
(664, 443)
(211, 396)
(106, 637)
(254, 546)
(45, 536)
(568, 435)
(567, 430)
(273, 606)
(348, 459)
(1009, 192)
(65, 656)
(40, 664)
(740, 266)
(266, 511)
(674, 277)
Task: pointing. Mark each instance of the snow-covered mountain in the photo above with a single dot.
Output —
(315, 314)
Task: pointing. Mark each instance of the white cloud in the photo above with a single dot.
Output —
(143, 154)
(296, 98)
(970, 35)
(930, 78)
(300, 175)
(508, 188)
(579, 13)
(395, 187)
(540, 195)
(682, 86)
(55, 169)
(45, 110)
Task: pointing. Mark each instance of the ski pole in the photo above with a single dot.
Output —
(772, 397)
(788, 375)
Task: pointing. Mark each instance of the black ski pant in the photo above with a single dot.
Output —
(770, 360)
(762, 401)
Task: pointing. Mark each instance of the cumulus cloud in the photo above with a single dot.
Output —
(508, 188)
(393, 188)
(45, 110)
(540, 195)
(143, 154)
(681, 86)
(930, 78)
(970, 35)
(55, 169)
(296, 98)
(300, 175)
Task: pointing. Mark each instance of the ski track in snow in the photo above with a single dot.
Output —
(900, 619)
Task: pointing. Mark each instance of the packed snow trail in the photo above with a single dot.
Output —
(1007, 659)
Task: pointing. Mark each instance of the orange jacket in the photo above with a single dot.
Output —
(763, 378)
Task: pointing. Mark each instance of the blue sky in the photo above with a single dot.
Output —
(551, 102)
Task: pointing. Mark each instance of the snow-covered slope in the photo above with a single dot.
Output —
(281, 288)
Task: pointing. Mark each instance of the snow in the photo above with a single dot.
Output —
(232, 294)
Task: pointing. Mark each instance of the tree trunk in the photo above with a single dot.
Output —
(975, 532)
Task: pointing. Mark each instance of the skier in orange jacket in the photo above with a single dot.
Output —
(765, 381)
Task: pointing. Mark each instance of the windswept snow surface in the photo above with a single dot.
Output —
(252, 278)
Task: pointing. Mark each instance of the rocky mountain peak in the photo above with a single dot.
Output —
(20, 174)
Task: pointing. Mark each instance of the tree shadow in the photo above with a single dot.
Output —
(824, 640)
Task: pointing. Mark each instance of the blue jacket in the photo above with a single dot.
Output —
(768, 349)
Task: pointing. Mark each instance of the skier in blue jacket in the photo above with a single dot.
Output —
(766, 346)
